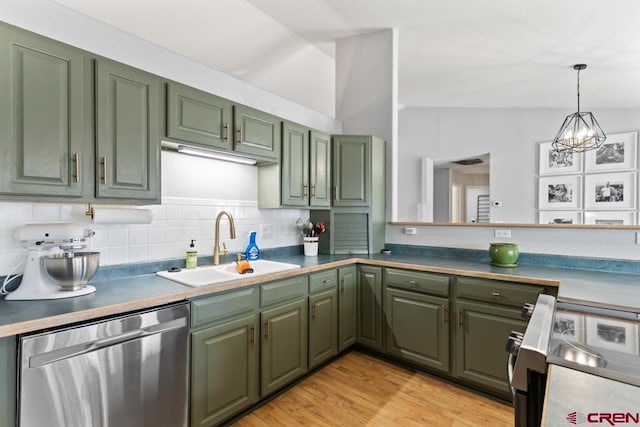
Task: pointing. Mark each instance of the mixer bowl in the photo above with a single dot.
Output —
(71, 271)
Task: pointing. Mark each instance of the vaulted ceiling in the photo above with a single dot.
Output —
(454, 53)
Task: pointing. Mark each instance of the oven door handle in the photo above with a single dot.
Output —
(511, 363)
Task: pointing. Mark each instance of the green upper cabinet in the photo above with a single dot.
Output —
(256, 133)
(198, 117)
(319, 169)
(295, 165)
(127, 132)
(45, 116)
(351, 170)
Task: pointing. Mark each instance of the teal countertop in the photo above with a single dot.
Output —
(148, 290)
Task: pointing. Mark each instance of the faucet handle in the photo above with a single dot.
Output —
(240, 257)
(223, 250)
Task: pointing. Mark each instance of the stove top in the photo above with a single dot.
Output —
(597, 340)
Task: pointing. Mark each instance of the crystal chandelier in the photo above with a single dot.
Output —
(580, 130)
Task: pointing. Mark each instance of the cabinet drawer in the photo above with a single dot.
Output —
(497, 292)
(323, 281)
(219, 307)
(283, 290)
(428, 283)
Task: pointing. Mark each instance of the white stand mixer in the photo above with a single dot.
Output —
(40, 240)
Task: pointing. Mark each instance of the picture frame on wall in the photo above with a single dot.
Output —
(607, 191)
(560, 192)
(559, 217)
(618, 152)
(612, 334)
(552, 162)
(610, 218)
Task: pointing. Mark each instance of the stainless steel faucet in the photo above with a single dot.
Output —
(217, 251)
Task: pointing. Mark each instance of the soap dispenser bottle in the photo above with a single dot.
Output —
(252, 252)
(192, 256)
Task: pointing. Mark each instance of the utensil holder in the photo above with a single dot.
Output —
(310, 246)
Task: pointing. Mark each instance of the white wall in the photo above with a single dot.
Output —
(511, 136)
(367, 93)
(53, 20)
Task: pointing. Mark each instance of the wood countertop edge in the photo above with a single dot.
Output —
(139, 304)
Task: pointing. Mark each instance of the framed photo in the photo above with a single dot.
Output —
(558, 162)
(560, 192)
(610, 218)
(617, 153)
(612, 334)
(610, 191)
(559, 217)
(569, 326)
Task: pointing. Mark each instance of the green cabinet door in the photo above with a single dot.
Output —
(224, 370)
(323, 327)
(417, 327)
(369, 296)
(295, 165)
(347, 308)
(284, 345)
(481, 331)
(8, 386)
(127, 133)
(351, 170)
(45, 116)
(319, 169)
(256, 133)
(198, 117)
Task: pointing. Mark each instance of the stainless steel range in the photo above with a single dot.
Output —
(583, 336)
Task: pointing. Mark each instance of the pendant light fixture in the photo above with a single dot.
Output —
(580, 130)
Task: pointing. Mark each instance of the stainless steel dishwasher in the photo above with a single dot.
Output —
(130, 370)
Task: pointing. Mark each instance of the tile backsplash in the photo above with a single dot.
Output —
(175, 222)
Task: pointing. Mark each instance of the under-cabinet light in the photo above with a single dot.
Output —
(210, 154)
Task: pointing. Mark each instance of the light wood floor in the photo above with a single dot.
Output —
(361, 390)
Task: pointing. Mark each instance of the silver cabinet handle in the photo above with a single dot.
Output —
(304, 190)
(342, 286)
(313, 190)
(76, 162)
(252, 340)
(445, 314)
(225, 134)
(413, 282)
(266, 329)
(239, 131)
(103, 162)
(313, 311)
(495, 294)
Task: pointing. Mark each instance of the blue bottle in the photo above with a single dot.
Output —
(252, 252)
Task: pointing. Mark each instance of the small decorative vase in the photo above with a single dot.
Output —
(310, 246)
(504, 254)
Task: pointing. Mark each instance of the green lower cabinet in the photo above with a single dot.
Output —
(284, 345)
(481, 331)
(224, 370)
(347, 308)
(8, 375)
(369, 295)
(417, 328)
(323, 327)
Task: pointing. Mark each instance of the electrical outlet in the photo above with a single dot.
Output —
(265, 230)
(503, 234)
(410, 231)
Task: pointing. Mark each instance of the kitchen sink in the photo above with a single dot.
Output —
(209, 275)
(260, 267)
